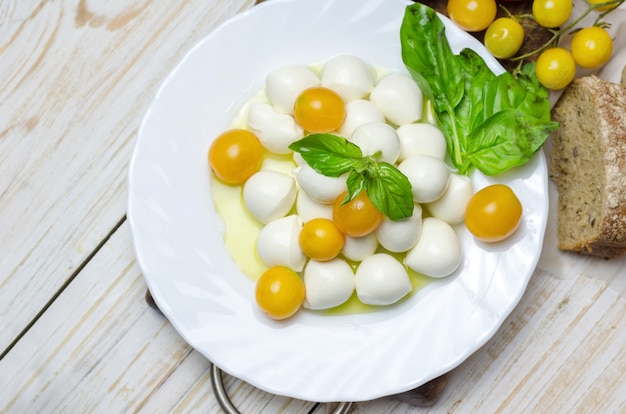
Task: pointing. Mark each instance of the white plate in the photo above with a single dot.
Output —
(211, 304)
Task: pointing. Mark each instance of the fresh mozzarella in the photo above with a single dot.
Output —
(428, 176)
(399, 98)
(358, 248)
(283, 85)
(277, 243)
(377, 136)
(327, 284)
(450, 207)
(319, 187)
(308, 209)
(400, 235)
(349, 76)
(359, 112)
(437, 252)
(421, 138)
(381, 280)
(275, 130)
(269, 195)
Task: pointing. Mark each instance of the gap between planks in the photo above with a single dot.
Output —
(69, 280)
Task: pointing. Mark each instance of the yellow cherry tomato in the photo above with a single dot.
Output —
(235, 155)
(555, 68)
(319, 109)
(357, 217)
(321, 240)
(551, 13)
(493, 213)
(504, 37)
(280, 292)
(591, 47)
(603, 8)
(472, 15)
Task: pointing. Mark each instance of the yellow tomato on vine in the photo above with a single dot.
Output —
(472, 15)
(551, 13)
(555, 68)
(591, 47)
(504, 37)
(603, 8)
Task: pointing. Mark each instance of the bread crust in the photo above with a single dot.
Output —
(589, 167)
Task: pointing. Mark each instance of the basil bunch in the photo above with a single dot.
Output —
(490, 122)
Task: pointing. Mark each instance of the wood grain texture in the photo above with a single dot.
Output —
(76, 78)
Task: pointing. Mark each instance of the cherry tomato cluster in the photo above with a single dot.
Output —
(555, 67)
(590, 47)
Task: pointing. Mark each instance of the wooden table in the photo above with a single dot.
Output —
(76, 335)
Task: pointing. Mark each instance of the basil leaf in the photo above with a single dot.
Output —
(505, 140)
(390, 191)
(507, 91)
(429, 58)
(471, 110)
(328, 154)
(531, 97)
(356, 183)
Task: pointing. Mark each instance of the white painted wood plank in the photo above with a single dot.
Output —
(76, 78)
(101, 348)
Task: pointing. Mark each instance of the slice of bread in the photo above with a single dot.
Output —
(589, 167)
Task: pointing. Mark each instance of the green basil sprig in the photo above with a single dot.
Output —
(490, 122)
(387, 188)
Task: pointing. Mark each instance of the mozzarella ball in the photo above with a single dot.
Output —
(283, 85)
(400, 235)
(437, 252)
(277, 243)
(269, 195)
(319, 187)
(377, 136)
(399, 98)
(327, 284)
(421, 138)
(428, 176)
(359, 112)
(450, 207)
(275, 130)
(381, 280)
(309, 209)
(358, 248)
(349, 76)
